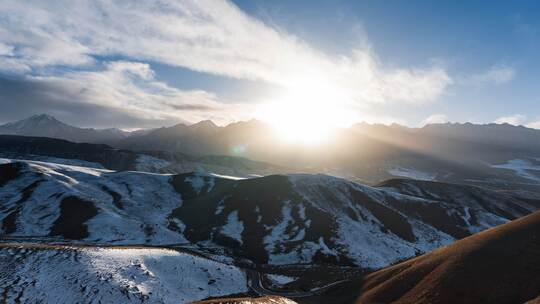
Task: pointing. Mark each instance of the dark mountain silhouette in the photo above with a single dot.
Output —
(372, 153)
(27, 147)
(58, 150)
(364, 152)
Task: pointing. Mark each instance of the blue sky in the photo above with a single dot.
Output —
(468, 37)
(159, 63)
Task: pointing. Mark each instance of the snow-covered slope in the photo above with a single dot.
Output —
(270, 220)
(59, 274)
(90, 204)
(322, 219)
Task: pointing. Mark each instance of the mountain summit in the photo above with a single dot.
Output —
(33, 122)
(45, 125)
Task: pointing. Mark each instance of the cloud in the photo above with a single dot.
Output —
(515, 120)
(533, 125)
(6, 50)
(385, 120)
(518, 120)
(494, 75)
(434, 119)
(205, 35)
(122, 92)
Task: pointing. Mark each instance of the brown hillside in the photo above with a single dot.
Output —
(500, 265)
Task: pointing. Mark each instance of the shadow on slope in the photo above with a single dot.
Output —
(500, 265)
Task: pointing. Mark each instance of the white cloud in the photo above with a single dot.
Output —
(434, 119)
(130, 87)
(516, 119)
(494, 75)
(382, 119)
(6, 50)
(204, 35)
(13, 66)
(534, 125)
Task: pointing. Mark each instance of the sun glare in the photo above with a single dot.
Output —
(307, 114)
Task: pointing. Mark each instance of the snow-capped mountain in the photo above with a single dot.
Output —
(83, 274)
(279, 219)
(47, 126)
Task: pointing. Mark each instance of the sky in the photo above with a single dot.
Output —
(140, 64)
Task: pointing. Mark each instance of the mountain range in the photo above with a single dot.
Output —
(493, 155)
(44, 125)
(442, 214)
(278, 230)
(276, 219)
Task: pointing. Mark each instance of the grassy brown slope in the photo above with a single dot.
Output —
(499, 265)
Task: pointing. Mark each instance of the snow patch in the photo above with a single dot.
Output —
(149, 163)
(220, 206)
(522, 168)
(198, 182)
(234, 227)
(411, 173)
(280, 279)
(227, 176)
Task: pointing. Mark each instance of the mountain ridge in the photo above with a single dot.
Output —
(277, 219)
(490, 155)
(48, 126)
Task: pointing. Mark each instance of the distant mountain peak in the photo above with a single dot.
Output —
(35, 121)
(204, 126)
(45, 125)
(204, 123)
(42, 116)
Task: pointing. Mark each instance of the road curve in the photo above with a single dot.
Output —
(255, 283)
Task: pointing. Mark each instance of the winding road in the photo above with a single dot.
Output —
(255, 283)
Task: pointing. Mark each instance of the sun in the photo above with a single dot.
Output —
(307, 114)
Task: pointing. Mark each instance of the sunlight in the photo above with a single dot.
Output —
(309, 113)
